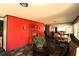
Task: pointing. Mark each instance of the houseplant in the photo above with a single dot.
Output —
(39, 41)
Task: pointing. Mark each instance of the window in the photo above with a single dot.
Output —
(76, 30)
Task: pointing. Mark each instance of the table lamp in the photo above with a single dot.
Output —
(69, 31)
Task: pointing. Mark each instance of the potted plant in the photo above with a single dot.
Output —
(39, 41)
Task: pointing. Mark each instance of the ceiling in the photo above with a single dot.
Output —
(48, 13)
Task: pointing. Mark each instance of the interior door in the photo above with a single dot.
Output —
(1, 33)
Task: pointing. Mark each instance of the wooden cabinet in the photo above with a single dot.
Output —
(72, 49)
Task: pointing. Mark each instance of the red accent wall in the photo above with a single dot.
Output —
(17, 36)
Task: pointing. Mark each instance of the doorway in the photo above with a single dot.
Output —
(1, 33)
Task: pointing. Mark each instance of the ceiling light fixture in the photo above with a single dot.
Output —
(24, 4)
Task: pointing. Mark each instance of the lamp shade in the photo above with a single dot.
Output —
(69, 30)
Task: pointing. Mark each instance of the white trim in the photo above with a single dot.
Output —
(4, 32)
